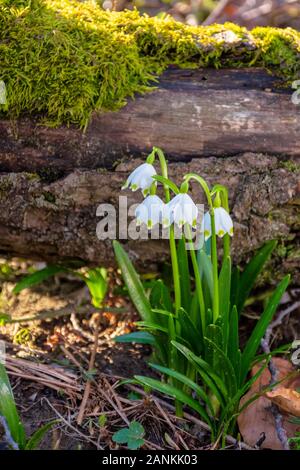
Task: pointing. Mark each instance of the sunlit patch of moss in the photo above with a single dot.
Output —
(61, 60)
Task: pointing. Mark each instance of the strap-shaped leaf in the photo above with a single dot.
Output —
(34, 440)
(261, 326)
(211, 378)
(160, 296)
(223, 367)
(140, 337)
(189, 331)
(132, 282)
(186, 381)
(37, 277)
(224, 296)
(251, 273)
(9, 411)
(177, 394)
(233, 346)
(184, 274)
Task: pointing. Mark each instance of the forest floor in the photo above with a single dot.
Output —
(49, 345)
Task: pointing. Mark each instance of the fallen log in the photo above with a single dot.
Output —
(236, 127)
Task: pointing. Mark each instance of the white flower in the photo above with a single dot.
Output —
(223, 223)
(150, 211)
(180, 210)
(141, 177)
(206, 226)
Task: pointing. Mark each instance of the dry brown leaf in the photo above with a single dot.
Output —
(286, 399)
(257, 418)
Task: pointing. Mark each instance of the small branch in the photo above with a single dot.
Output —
(87, 389)
(69, 425)
(8, 436)
(229, 439)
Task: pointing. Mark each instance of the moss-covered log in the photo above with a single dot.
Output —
(234, 128)
(74, 67)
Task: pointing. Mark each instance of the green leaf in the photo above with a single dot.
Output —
(166, 182)
(215, 334)
(134, 444)
(189, 331)
(233, 347)
(160, 296)
(205, 268)
(152, 326)
(133, 282)
(261, 326)
(4, 318)
(184, 274)
(224, 296)
(37, 277)
(132, 436)
(97, 283)
(176, 394)
(102, 420)
(223, 366)
(34, 440)
(9, 411)
(186, 381)
(235, 279)
(210, 377)
(251, 273)
(140, 337)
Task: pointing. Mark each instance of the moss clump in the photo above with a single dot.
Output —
(62, 59)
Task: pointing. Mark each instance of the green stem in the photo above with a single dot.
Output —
(214, 259)
(198, 283)
(174, 260)
(175, 270)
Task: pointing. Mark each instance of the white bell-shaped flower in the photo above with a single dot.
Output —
(206, 226)
(150, 211)
(223, 223)
(141, 178)
(180, 210)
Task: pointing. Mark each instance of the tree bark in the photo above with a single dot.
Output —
(235, 127)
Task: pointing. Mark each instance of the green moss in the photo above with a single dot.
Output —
(49, 197)
(292, 166)
(62, 59)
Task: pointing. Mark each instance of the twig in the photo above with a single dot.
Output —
(230, 440)
(71, 426)
(166, 417)
(8, 436)
(118, 408)
(279, 319)
(90, 369)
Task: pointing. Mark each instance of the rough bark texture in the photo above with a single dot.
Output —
(233, 127)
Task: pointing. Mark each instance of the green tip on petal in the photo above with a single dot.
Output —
(149, 224)
(221, 233)
(125, 186)
(133, 187)
(145, 192)
(138, 222)
(206, 233)
(231, 231)
(194, 223)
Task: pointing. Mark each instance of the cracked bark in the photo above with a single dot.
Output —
(235, 127)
